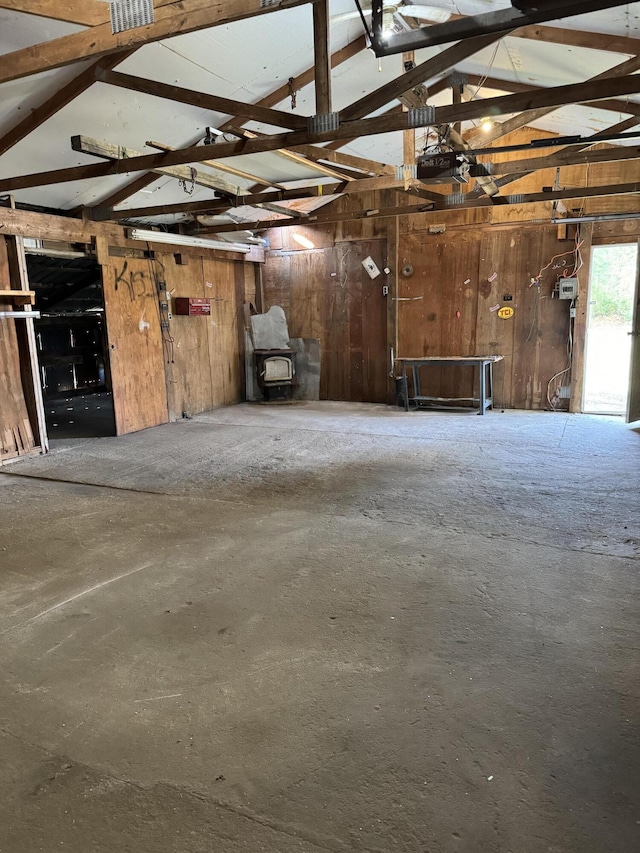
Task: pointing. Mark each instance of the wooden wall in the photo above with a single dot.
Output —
(194, 364)
(16, 435)
(135, 343)
(205, 369)
(459, 281)
(326, 294)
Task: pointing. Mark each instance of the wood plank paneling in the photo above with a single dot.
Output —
(326, 294)
(463, 278)
(222, 330)
(135, 344)
(186, 355)
(437, 308)
(16, 437)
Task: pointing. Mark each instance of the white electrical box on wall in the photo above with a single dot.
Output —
(371, 267)
(567, 288)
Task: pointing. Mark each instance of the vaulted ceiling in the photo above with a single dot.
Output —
(90, 119)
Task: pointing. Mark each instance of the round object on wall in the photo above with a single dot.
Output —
(407, 270)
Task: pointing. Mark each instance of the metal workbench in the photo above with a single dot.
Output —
(482, 363)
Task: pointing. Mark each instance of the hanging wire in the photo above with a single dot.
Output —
(364, 21)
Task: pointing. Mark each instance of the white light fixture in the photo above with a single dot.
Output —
(388, 21)
(486, 125)
(185, 240)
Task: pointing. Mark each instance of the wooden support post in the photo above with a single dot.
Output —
(321, 36)
(580, 322)
(408, 136)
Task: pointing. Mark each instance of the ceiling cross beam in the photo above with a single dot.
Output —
(557, 96)
(87, 13)
(184, 17)
(429, 207)
(482, 138)
(203, 100)
(433, 67)
(275, 97)
(514, 169)
(59, 99)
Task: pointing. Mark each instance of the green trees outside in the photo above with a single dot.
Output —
(613, 278)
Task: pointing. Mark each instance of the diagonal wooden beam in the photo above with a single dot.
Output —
(579, 38)
(570, 155)
(220, 205)
(557, 96)
(515, 86)
(288, 154)
(60, 99)
(279, 208)
(322, 54)
(141, 182)
(481, 137)
(277, 96)
(188, 16)
(223, 167)
(215, 103)
(306, 77)
(362, 164)
(119, 154)
(87, 13)
(433, 67)
(428, 207)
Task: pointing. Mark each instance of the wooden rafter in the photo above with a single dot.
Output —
(216, 205)
(322, 54)
(215, 103)
(609, 104)
(87, 13)
(118, 154)
(362, 164)
(514, 169)
(579, 38)
(570, 155)
(557, 96)
(406, 210)
(433, 67)
(277, 96)
(184, 17)
(530, 112)
(223, 167)
(60, 99)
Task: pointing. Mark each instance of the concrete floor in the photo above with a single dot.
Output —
(326, 627)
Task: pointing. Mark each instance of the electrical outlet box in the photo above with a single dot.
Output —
(370, 266)
(567, 288)
(565, 392)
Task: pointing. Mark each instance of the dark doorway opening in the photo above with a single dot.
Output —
(72, 350)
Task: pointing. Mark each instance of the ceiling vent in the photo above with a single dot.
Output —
(129, 14)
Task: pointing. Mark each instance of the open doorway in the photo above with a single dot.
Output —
(71, 343)
(614, 272)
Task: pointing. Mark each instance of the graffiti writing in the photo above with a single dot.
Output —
(135, 282)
